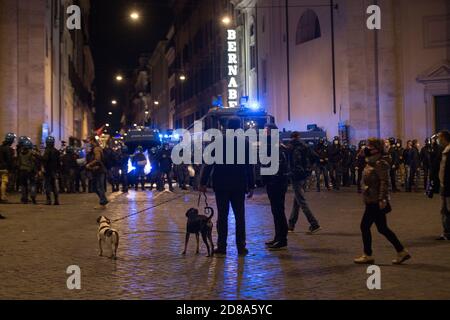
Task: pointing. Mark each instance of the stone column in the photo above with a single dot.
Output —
(8, 66)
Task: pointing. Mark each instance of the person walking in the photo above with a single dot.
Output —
(52, 166)
(322, 166)
(26, 163)
(376, 199)
(300, 158)
(444, 183)
(335, 158)
(97, 167)
(276, 187)
(395, 163)
(231, 182)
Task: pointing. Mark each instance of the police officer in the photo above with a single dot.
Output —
(276, 187)
(165, 164)
(360, 163)
(6, 164)
(26, 165)
(425, 160)
(52, 165)
(155, 172)
(414, 164)
(140, 161)
(69, 165)
(123, 162)
(347, 162)
(322, 167)
(335, 156)
(395, 163)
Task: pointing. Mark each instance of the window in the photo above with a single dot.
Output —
(308, 27)
(252, 57)
(252, 30)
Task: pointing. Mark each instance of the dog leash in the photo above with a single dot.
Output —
(146, 209)
(200, 197)
(209, 211)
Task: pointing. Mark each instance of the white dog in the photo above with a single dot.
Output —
(108, 236)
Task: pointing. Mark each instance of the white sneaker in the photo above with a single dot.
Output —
(364, 259)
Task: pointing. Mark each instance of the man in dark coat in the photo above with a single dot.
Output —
(231, 182)
(444, 184)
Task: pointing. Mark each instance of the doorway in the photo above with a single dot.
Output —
(442, 112)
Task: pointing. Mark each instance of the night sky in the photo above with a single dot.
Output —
(117, 42)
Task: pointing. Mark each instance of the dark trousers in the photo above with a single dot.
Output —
(336, 174)
(277, 196)
(322, 170)
(237, 201)
(124, 178)
(412, 178)
(360, 176)
(27, 182)
(426, 177)
(373, 215)
(50, 185)
(393, 176)
(445, 213)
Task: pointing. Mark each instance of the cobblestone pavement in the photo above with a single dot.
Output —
(38, 243)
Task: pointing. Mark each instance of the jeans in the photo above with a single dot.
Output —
(277, 196)
(237, 201)
(373, 215)
(445, 216)
(300, 202)
(99, 185)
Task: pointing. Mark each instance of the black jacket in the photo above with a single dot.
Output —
(51, 160)
(6, 157)
(229, 177)
(335, 154)
(301, 160)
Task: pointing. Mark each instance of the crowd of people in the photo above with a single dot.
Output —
(376, 167)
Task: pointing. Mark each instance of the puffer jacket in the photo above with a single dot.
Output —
(376, 180)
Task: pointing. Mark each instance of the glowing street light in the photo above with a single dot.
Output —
(119, 77)
(134, 16)
(107, 124)
(182, 77)
(114, 102)
(146, 112)
(156, 103)
(226, 20)
(110, 113)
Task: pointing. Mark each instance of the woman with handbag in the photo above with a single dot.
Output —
(376, 199)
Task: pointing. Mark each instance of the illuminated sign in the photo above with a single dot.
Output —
(232, 68)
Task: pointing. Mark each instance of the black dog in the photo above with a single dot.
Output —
(197, 224)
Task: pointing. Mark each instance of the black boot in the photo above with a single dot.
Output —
(49, 200)
(56, 203)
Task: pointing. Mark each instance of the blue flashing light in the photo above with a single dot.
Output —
(254, 106)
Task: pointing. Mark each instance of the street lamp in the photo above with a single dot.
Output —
(156, 103)
(110, 113)
(134, 15)
(114, 102)
(146, 112)
(226, 20)
(107, 124)
(182, 77)
(119, 77)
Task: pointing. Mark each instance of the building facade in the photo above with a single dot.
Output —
(320, 64)
(46, 70)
